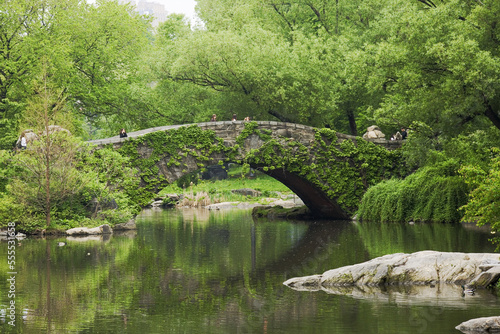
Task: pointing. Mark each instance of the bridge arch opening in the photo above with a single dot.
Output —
(285, 185)
(234, 178)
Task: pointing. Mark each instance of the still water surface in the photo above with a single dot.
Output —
(198, 271)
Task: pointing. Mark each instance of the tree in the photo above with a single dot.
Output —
(19, 23)
(94, 48)
(47, 174)
(104, 43)
(483, 206)
(438, 63)
(110, 178)
(297, 61)
(160, 100)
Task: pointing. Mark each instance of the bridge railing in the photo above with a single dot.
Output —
(230, 124)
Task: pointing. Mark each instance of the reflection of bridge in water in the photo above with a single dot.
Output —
(298, 156)
(314, 247)
(315, 250)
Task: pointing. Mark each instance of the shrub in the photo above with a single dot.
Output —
(10, 211)
(188, 180)
(431, 194)
(484, 204)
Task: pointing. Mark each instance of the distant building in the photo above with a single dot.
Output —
(156, 10)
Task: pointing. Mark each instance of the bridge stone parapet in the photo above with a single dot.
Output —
(228, 130)
(315, 164)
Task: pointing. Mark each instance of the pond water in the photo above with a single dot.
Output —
(199, 271)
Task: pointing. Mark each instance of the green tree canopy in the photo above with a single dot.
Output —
(93, 48)
(438, 64)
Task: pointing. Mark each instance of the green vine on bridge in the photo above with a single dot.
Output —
(342, 170)
(172, 146)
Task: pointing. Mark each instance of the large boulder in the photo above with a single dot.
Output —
(480, 325)
(130, 225)
(31, 136)
(373, 132)
(103, 229)
(247, 192)
(421, 268)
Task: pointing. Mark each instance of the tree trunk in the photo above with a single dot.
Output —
(337, 31)
(47, 155)
(492, 115)
(353, 128)
(47, 184)
(279, 116)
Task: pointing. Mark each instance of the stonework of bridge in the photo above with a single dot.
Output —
(318, 196)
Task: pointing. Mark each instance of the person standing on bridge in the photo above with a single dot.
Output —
(404, 134)
(214, 118)
(123, 134)
(234, 118)
(23, 141)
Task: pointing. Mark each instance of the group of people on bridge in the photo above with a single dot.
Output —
(233, 119)
(400, 135)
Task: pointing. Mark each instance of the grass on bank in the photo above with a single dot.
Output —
(204, 192)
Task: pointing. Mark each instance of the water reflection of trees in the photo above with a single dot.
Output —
(388, 238)
(192, 272)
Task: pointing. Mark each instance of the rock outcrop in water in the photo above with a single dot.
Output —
(480, 325)
(438, 271)
(421, 268)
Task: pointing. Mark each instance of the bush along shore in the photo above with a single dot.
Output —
(281, 205)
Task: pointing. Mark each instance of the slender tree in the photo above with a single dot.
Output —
(47, 174)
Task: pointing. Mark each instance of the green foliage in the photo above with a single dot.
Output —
(10, 210)
(299, 61)
(346, 64)
(99, 178)
(261, 182)
(484, 203)
(188, 180)
(111, 178)
(47, 176)
(424, 148)
(176, 145)
(92, 47)
(445, 81)
(474, 148)
(7, 169)
(296, 61)
(432, 194)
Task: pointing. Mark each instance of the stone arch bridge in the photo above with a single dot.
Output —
(329, 171)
